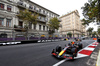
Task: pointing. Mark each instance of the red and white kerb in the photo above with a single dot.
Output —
(87, 50)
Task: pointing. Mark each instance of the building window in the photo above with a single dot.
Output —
(34, 7)
(34, 27)
(40, 17)
(20, 2)
(8, 23)
(1, 6)
(30, 7)
(47, 28)
(39, 27)
(1, 21)
(43, 28)
(20, 24)
(8, 8)
(39, 10)
(43, 12)
(49, 14)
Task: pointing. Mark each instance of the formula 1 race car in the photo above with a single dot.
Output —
(76, 39)
(69, 51)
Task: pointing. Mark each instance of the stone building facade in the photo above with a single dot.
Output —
(10, 8)
(71, 23)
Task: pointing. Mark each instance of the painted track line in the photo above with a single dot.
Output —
(79, 55)
(60, 62)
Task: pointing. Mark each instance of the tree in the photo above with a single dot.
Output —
(28, 18)
(53, 24)
(94, 34)
(69, 34)
(90, 30)
(91, 12)
(98, 30)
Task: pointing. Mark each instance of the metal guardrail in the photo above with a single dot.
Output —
(26, 39)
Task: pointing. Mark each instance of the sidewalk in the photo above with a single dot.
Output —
(93, 58)
(98, 56)
(98, 59)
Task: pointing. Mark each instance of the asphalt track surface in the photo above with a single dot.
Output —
(37, 54)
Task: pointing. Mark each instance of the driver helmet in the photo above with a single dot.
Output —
(72, 42)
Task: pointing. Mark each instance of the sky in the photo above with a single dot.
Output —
(62, 7)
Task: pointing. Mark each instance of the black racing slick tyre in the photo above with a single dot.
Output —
(58, 49)
(80, 45)
(74, 52)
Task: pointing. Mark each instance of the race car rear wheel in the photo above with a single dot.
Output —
(80, 45)
(74, 52)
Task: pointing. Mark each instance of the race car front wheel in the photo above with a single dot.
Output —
(58, 49)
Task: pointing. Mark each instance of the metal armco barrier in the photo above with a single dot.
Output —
(98, 40)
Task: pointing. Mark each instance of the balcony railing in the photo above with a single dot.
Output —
(9, 0)
(21, 4)
(30, 7)
(41, 20)
(37, 11)
(2, 8)
(19, 28)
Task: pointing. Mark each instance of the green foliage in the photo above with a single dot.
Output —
(90, 30)
(69, 34)
(53, 24)
(28, 17)
(94, 34)
(98, 31)
(90, 12)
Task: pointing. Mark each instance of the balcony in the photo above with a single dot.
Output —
(30, 7)
(42, 13)
(59, 20)
(19, 28)
(2, 9)
(21, 4)
(36, 11)
(9, 0)
(40, 19)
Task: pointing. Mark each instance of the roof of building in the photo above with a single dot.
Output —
(43, 7)
(75, 11)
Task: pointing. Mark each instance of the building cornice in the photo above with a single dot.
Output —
(43, 7)
(8, 2)
(70, 13)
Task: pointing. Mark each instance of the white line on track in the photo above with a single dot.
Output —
(79, 56)
(60, 62)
